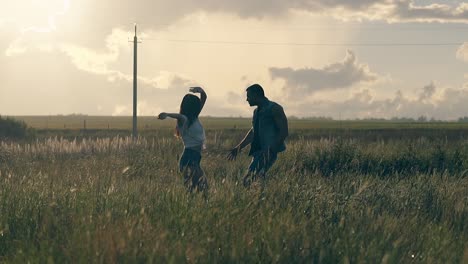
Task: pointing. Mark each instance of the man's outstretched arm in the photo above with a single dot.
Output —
(244, 143)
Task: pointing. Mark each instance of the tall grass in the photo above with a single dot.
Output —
(329, 200)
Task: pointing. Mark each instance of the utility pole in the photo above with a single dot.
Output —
(135, 77)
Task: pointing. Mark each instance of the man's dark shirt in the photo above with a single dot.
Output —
(264, 128)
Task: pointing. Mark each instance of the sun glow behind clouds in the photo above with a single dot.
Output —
(34, 15)
(34, 20)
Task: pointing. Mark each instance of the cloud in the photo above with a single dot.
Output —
(393, 11)
(303, 82)
(30, 88)
(235, 98)
(450, 105)
(62, 88)
(155, 101)
(144, 108)
(389, 10)
(407, 11)
(97, 62)
(462, 52)
(79, 79)
(85, 22)
(94, 36)
(155, 14)
(427, 92)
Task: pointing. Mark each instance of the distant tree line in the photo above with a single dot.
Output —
(420, 119)
(13, 129)
(74, 115)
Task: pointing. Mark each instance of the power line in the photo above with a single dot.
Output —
(353, 27)
(395, 44)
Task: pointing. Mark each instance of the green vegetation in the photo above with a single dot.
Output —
(13, 129)
(393, 195)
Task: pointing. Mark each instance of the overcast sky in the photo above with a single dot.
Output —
(336, 58)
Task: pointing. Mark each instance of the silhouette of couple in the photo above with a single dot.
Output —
(266, 137)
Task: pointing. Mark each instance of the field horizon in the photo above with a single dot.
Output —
(73, 122)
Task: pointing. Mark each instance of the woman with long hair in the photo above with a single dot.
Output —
(190, 129)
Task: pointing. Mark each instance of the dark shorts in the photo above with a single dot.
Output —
(190, 158)
(262, 161)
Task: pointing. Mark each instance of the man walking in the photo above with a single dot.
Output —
(266, 137)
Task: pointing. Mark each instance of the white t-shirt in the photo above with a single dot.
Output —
(193, 136)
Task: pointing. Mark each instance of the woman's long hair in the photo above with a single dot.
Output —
(191, 108)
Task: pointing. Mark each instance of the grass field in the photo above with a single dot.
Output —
(343, 192)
